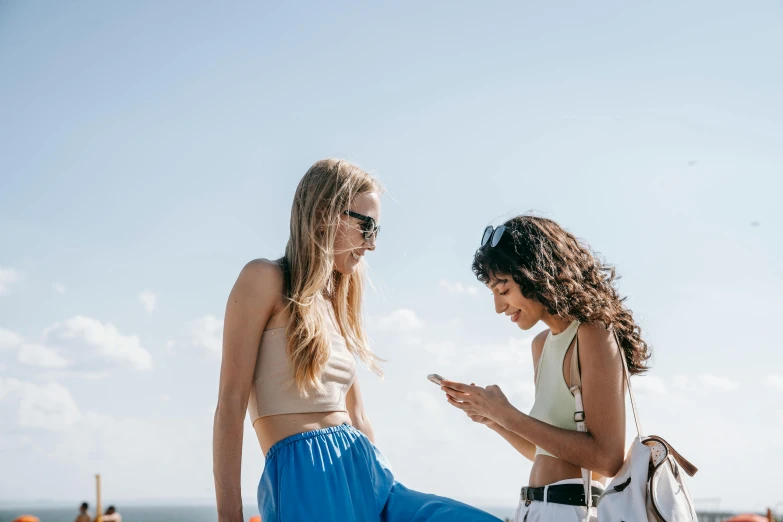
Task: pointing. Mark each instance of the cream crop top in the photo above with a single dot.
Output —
(554, 403)
(274, 392)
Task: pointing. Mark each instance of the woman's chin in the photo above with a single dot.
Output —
(523, 326)
(346, 266)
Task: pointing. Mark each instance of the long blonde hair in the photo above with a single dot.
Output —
(325, 191)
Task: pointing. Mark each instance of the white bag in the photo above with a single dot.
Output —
(649, 485)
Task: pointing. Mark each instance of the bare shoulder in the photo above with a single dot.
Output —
(260, 284)
(262, 273)
(538, 344)
(596, 343)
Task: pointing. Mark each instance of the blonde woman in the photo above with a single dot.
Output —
(292, 333)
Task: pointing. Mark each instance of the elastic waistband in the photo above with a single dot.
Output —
(308, 435)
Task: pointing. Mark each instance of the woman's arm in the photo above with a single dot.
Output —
(601, 449)
(355, 406)
(251, 303)
(519, 443)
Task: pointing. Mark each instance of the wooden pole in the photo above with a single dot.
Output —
(98, 509)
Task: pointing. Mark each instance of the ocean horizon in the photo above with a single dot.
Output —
(153, 513)
(55, 512)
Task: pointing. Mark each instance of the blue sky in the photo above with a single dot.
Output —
(155, 149)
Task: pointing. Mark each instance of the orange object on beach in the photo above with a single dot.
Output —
(27, 518)
(256, 518)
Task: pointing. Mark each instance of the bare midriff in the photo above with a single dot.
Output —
(275, 428)
(548, 470)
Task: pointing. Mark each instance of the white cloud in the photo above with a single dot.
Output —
(207, 332)
(32, 353)
(403, 320)
(8, 386)
(16, 442)
(56, 374)
(445, 348)
(513, 351)
(432, 405)
(507, 364)
(43, 356)
(649, 384)
(458, 288)
(59, 288)
(774, 381)
(680, 382)
(720, 383)
(43, 429)
(9, 339)
(148, 299)
(504, 360)
(49, 407)
(106, 341)
(8, 276)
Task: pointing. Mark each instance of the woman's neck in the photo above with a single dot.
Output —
(556, 323)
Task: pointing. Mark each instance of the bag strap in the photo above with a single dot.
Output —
(689, 468)
(684, 463)
(579, 418)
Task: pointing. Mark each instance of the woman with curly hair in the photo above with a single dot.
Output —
(537, 271)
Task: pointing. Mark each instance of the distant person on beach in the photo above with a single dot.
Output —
(84, 515)
(537, 271)
(111, 515)
(292, 332)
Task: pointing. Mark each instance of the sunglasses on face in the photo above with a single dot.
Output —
(368, 226)
(492, 235)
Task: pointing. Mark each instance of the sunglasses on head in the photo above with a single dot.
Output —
(492, 235)
(368, 226)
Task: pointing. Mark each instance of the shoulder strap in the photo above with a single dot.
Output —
(579, 418)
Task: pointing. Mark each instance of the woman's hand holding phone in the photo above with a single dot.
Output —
(490, 402)
(475, 417)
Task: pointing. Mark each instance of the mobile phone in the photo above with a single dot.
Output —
(434, 377)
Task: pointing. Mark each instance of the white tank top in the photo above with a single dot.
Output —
(554, 402)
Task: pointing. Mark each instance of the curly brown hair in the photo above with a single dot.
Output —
(553, 267)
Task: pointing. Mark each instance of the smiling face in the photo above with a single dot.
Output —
(350, 244)
(524, 312)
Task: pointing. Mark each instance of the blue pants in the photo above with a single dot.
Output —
(338, 475)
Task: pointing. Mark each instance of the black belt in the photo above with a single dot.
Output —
(570, 494)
